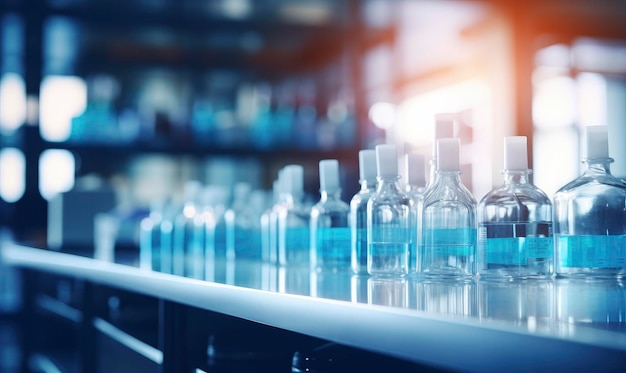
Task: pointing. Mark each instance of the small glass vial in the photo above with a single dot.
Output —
(330, 232)
(415, 188)
(388, 219)
(293, 220)
(188, 235)
(590, 216)
(515, 223)
(358, 210)
(448, 239)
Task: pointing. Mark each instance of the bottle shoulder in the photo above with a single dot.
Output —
(448, 194)
(331, 206)
(605, 184)
(526, 194)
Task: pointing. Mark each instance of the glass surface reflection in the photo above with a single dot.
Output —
(457, 298)
(558, 307)
(525, 303)
(600, 304)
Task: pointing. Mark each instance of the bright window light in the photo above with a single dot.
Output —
(56, 172)
(383, 115)
(592, 99)
(12, 102)
(554, 102)
(416, 115)
(12, 174)
(62, 98)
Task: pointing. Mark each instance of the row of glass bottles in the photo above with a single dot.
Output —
(437, 231)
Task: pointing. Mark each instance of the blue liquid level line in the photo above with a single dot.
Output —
(443, 242)
(592, 251)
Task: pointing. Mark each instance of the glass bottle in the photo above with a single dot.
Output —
(388, 219)
(188, 235)
(415, 188)
(150, 237)
(330, 231)
(269, 224)
(293, 220)
(241, 223)
(590, 216)
(515, 222)
(358, 210)
(448, 239)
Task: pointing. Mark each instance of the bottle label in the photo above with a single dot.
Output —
(446, 242)
(508, 244)
(592, 251)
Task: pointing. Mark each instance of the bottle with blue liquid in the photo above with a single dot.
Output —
(389, 222)
(188, 235)
(515, 223)
(590, 216)
(293, 220)
(358, 210)
(330, 231)
(448, 239)
(415, 188)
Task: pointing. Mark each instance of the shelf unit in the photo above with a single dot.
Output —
(189, 39)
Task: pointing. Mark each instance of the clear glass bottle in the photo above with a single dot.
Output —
(242, 225)
(590, 216)
(415, 188)
(293, 220)
(188, 235)
(150, 237)
(448, 239)
(388, 219)
(269, 224)
(515, 223)
(330, 231)
(358, 210)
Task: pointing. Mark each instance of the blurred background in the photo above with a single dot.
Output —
(140, 96)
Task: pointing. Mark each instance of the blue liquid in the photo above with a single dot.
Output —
(516, 244)
(388, 252)
(448, 252)
(601, 252)
(333, 247)
(296, 246)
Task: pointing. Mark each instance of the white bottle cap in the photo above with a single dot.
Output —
(515, 153)
(386, 160)
(597, 142)
(329, 175)
(294, 180)
(448, 154)
(444, 128)
(367, 164)
(415, 169)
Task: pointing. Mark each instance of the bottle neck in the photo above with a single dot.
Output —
(367, 184)
(330, 195)
(516, 176)
(387, 182)
(448, 177)
(598, 166)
